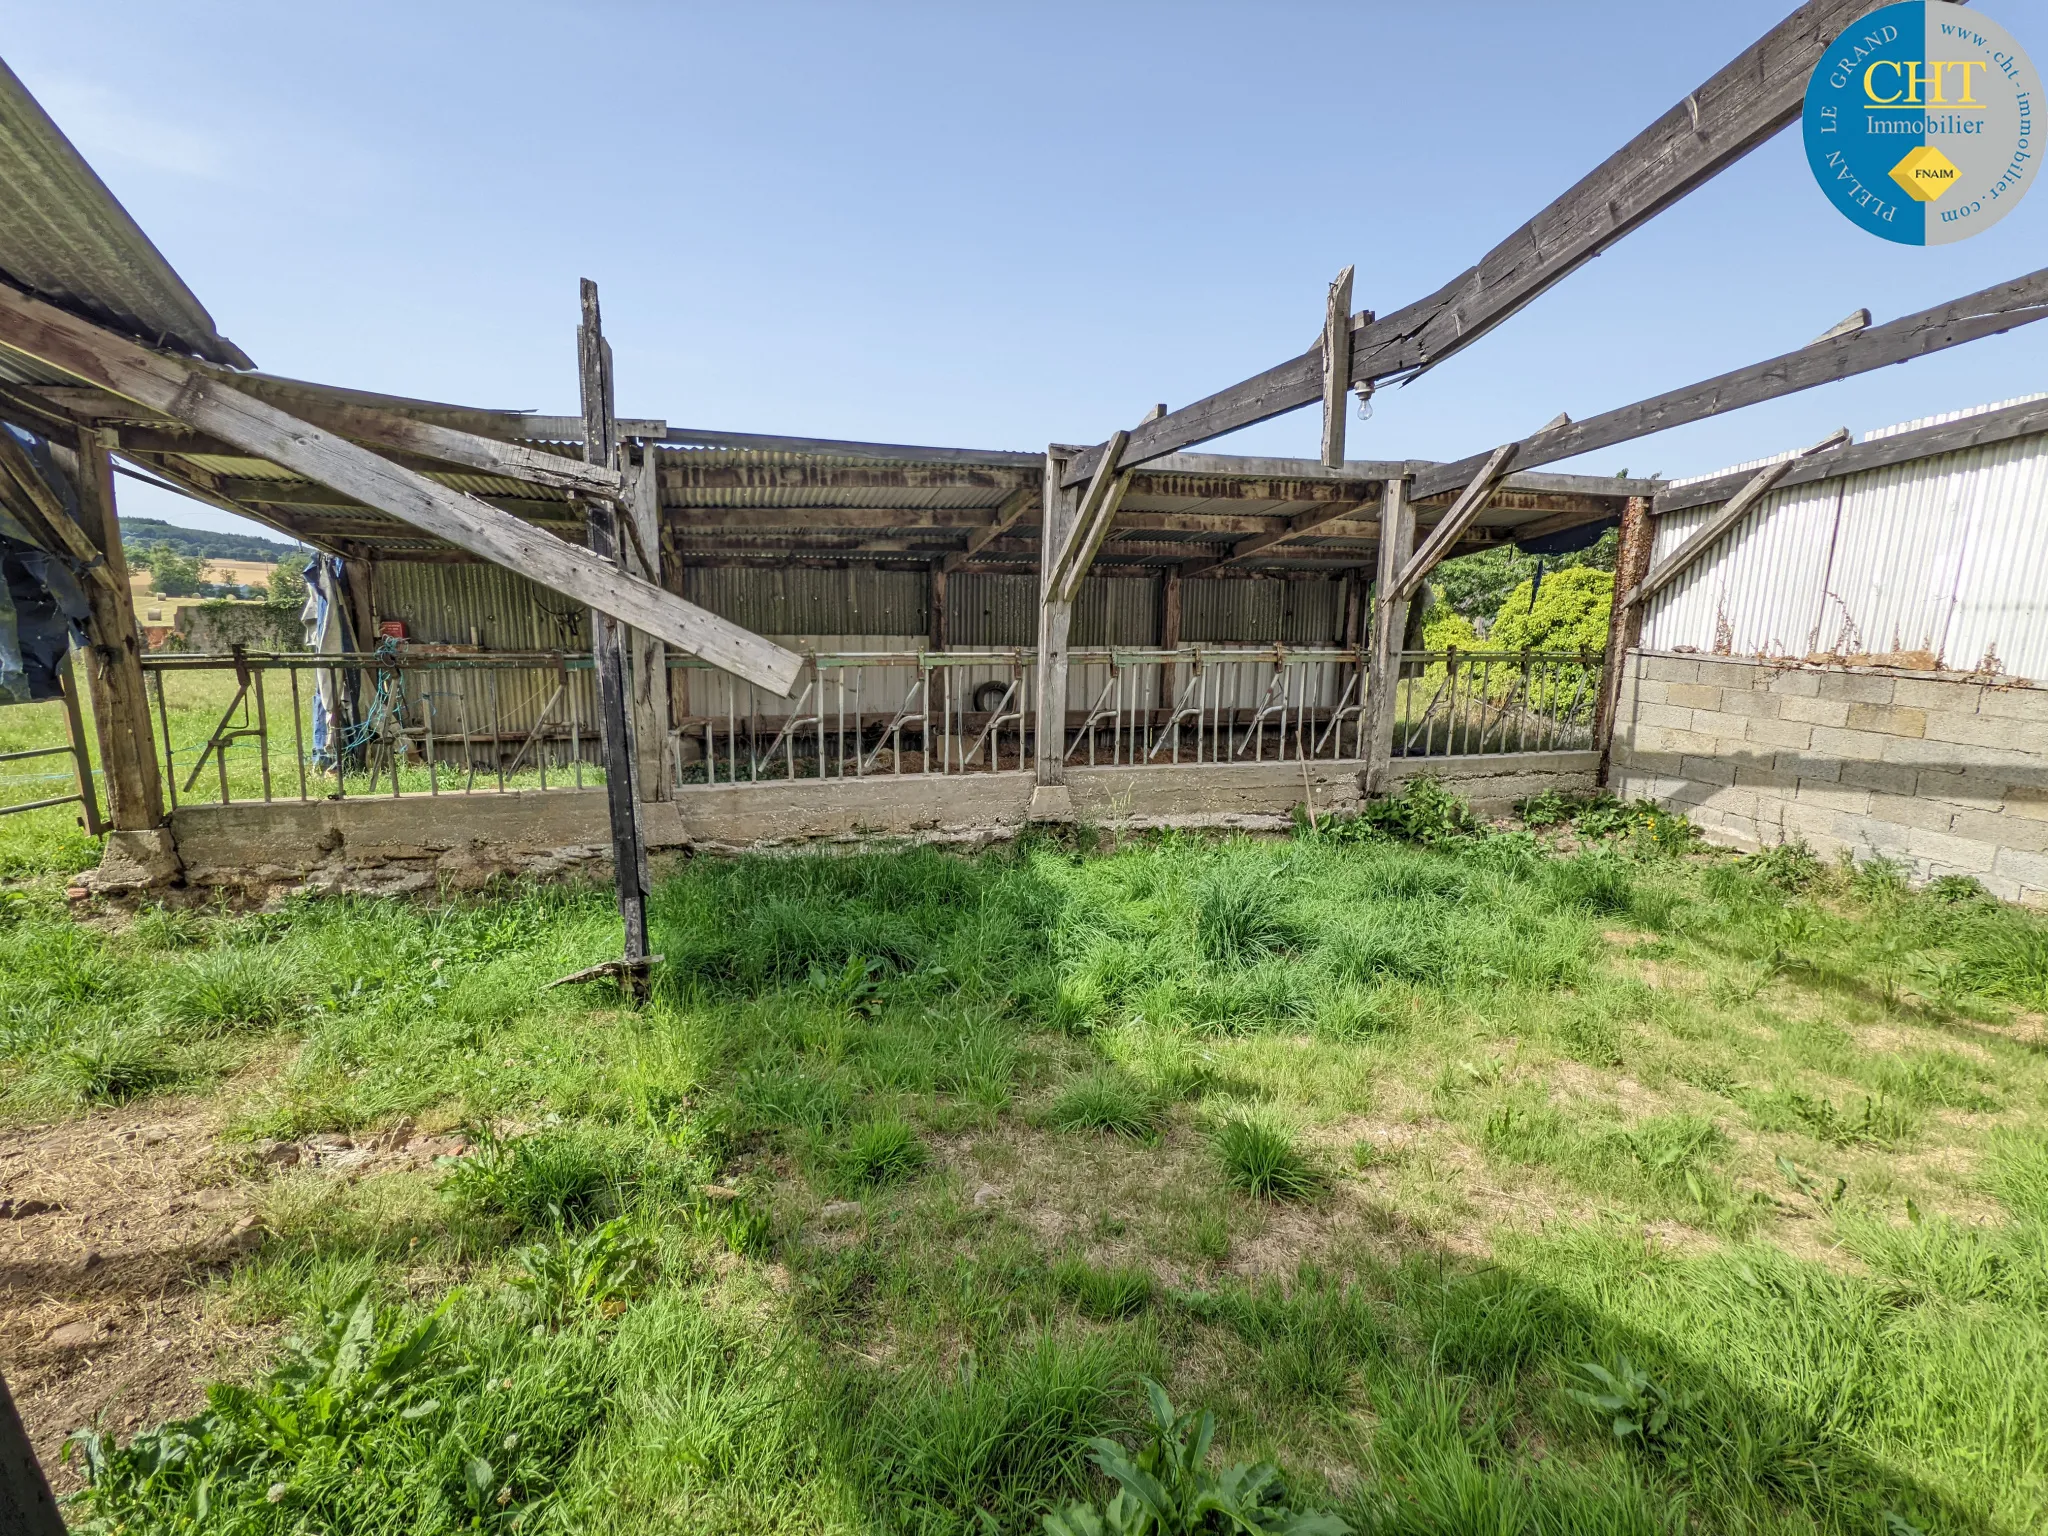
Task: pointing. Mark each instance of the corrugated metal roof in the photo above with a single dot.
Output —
(64, 237)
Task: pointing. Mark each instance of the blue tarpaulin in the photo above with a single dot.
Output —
(42, 602)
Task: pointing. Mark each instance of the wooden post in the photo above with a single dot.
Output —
(608, 649)
(1050, 800)
(1169, 640)
(360, 576)
(1389, 625)
(937, 638)
(650, 652)
(120, 704)
(1336, 368)
(1625, 624)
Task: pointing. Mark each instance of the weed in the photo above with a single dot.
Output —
(1259, 1156)
(1423, 812)
(1595, 882)
(1635, 1406)
(1240, 915)
(571, 1275)
(111, 1066)
(220, 990)
(1788, 866)
(550, 1179)
(1107, 1100)
(1168, 1487)
(1104, 1294)
(878, 1152)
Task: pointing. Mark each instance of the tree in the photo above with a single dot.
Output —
(171, 573)
(1570, 613)
(287, 587)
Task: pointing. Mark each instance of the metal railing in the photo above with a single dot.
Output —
(414, 721)
(268, 726)
(858, 714)
(84, 791)
(1455, 703)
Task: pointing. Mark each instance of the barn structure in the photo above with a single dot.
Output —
(545, 641)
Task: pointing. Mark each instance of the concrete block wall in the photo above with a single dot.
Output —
(1947, 774)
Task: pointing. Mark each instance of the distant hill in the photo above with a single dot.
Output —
(201, 544)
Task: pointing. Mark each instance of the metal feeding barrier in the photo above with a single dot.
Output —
(84, 793)
(409, 721)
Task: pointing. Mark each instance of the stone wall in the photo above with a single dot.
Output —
(381, 845)
(1945, 772)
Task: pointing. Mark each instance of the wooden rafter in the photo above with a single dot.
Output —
(1988, 312)
(1740, 107)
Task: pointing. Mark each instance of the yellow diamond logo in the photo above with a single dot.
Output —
(1925, 173)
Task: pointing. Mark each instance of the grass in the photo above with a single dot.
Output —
(1475, 1185)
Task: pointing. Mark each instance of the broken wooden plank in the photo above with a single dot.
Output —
(171, 386)
(1986, 313)
(1738, 506)
(1740, 107)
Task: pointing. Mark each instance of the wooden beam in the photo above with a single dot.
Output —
(1985, 313)
(1624, 623)
(608, 640)
(385, 429)
(1012, 508)
(1737, 109)
(1737, 507)
(44, 514)
(120, 703)
(1470, 503)
(2025, 420)
(936, 614)
(1091, 525)
(85, 351)
(1050, 799)
(650, 670)
(1336, 368)
(1389, 625)
(1264, 543)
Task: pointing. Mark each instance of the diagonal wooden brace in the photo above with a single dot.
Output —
(1732, 511)
(179, 390)
(1470, 503)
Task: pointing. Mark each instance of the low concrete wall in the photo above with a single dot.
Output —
(374, 845)
(1947, 773)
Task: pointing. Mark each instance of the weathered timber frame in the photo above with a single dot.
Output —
(184, 392)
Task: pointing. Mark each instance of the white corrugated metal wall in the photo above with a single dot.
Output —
(1945, 557)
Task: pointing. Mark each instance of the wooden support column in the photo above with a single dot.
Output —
(1336, 368)
(1625, 624)
(937, 614)
(1169, 640)
(120, 702)
(1049, 798)
(608, 648)
(1389, 625)
(652, 766)
(360, 576)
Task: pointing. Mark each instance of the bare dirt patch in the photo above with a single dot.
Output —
(123, 1215)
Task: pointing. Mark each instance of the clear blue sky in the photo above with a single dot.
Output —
(981, 225)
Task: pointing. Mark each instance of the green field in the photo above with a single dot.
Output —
(1555, 1181)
